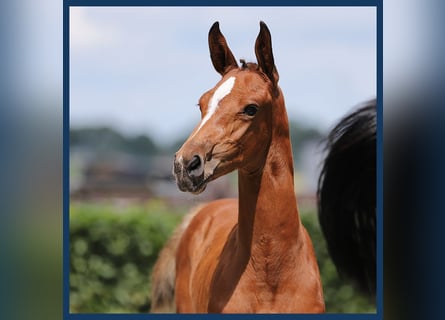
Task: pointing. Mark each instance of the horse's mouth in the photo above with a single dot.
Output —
(193, 186)
(201, 186)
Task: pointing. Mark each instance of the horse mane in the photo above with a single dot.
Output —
(347, 196)
(248, 65)
(252, 66)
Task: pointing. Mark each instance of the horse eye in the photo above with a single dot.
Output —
(250, 110)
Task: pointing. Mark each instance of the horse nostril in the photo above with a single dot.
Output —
(194, 164)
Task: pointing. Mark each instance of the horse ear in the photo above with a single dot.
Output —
(264, 55)
(222, 58)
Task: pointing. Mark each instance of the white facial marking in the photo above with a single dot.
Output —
(222, 91)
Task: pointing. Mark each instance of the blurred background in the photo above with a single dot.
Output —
(136, 75)
(31, 138)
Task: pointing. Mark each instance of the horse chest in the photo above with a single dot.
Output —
(284, 300)
(249, 298)
(263, 286)
(237, 288)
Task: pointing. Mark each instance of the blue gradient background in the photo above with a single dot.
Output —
(31, 172)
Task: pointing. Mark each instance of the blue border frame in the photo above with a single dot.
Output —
(379, 86)
(66, 58)
(66, 148)
(226, 3)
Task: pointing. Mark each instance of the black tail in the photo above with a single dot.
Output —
(347, 196)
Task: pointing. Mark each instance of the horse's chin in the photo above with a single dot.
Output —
(199, 190)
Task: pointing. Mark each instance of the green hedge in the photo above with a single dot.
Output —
(339, 294)
(113, 251)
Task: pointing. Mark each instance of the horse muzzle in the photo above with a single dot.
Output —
(190, 174)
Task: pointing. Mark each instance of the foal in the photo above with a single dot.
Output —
(250, 255)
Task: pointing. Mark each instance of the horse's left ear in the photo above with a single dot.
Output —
(264, 55)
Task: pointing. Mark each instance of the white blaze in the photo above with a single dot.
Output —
(222, 91)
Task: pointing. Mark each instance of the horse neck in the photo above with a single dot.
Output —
(268, 215)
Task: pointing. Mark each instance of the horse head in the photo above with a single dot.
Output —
(236, 116)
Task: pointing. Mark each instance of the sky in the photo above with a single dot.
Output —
(142, 70)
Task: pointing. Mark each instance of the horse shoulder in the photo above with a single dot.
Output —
(199, 250)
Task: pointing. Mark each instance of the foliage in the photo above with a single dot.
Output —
(107, 139)
(300, 134)
(340, 295)
(113, 251)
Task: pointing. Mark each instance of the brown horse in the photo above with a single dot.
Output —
(252, 254)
